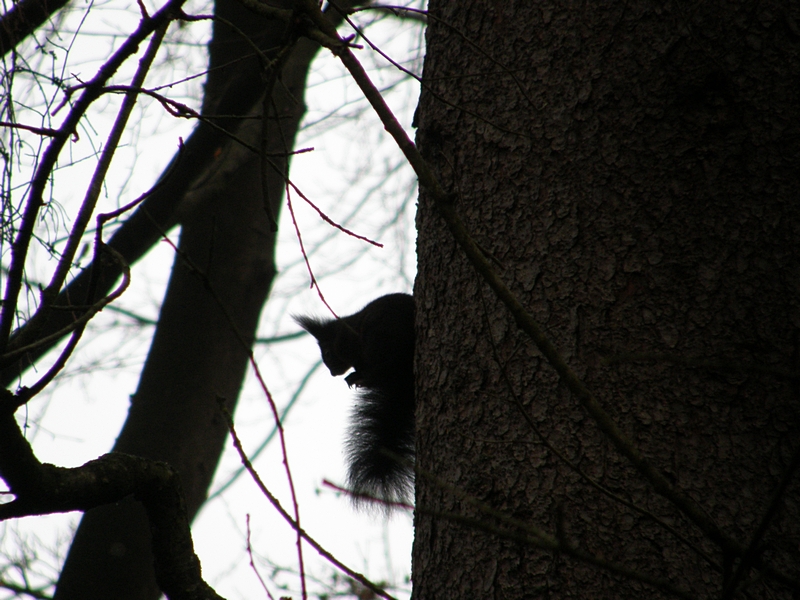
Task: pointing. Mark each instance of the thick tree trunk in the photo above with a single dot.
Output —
(196, 355)
(632, 170)
(174, 415)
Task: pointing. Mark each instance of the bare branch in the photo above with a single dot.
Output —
(23, 19)
(288, 518)
(93, 89)
(42, 489)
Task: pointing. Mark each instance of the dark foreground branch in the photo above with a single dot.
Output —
(40, 489)
(23, 19)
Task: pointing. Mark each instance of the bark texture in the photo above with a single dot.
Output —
(632, 170)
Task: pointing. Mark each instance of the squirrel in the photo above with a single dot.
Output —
(378, 343)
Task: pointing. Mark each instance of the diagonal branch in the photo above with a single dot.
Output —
(34, 202)
(23, 19)
(50, 293)
(46, 489)
(288, 518)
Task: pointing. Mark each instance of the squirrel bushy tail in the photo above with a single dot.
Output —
(380, 445)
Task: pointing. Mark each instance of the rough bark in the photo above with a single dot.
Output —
(632, 172)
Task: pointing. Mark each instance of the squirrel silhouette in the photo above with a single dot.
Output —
(377, 342)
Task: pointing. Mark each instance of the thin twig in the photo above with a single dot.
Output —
(314, 283)
(251, 357)
(34, 202)
(249, 549)
(601, 488)
(26, 393)
(748, 558)
(288, 518)
(428, 88)
(38, 130)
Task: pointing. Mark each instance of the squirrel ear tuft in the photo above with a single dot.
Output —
(312, 325)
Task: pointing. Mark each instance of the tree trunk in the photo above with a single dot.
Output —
(632, 172)
(196, 355)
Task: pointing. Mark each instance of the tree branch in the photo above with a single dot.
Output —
(41, 489)
(288, 518)
(23, 19)
(91, 91)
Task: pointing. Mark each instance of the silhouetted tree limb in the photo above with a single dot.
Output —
(41, 489)
(23, 19)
